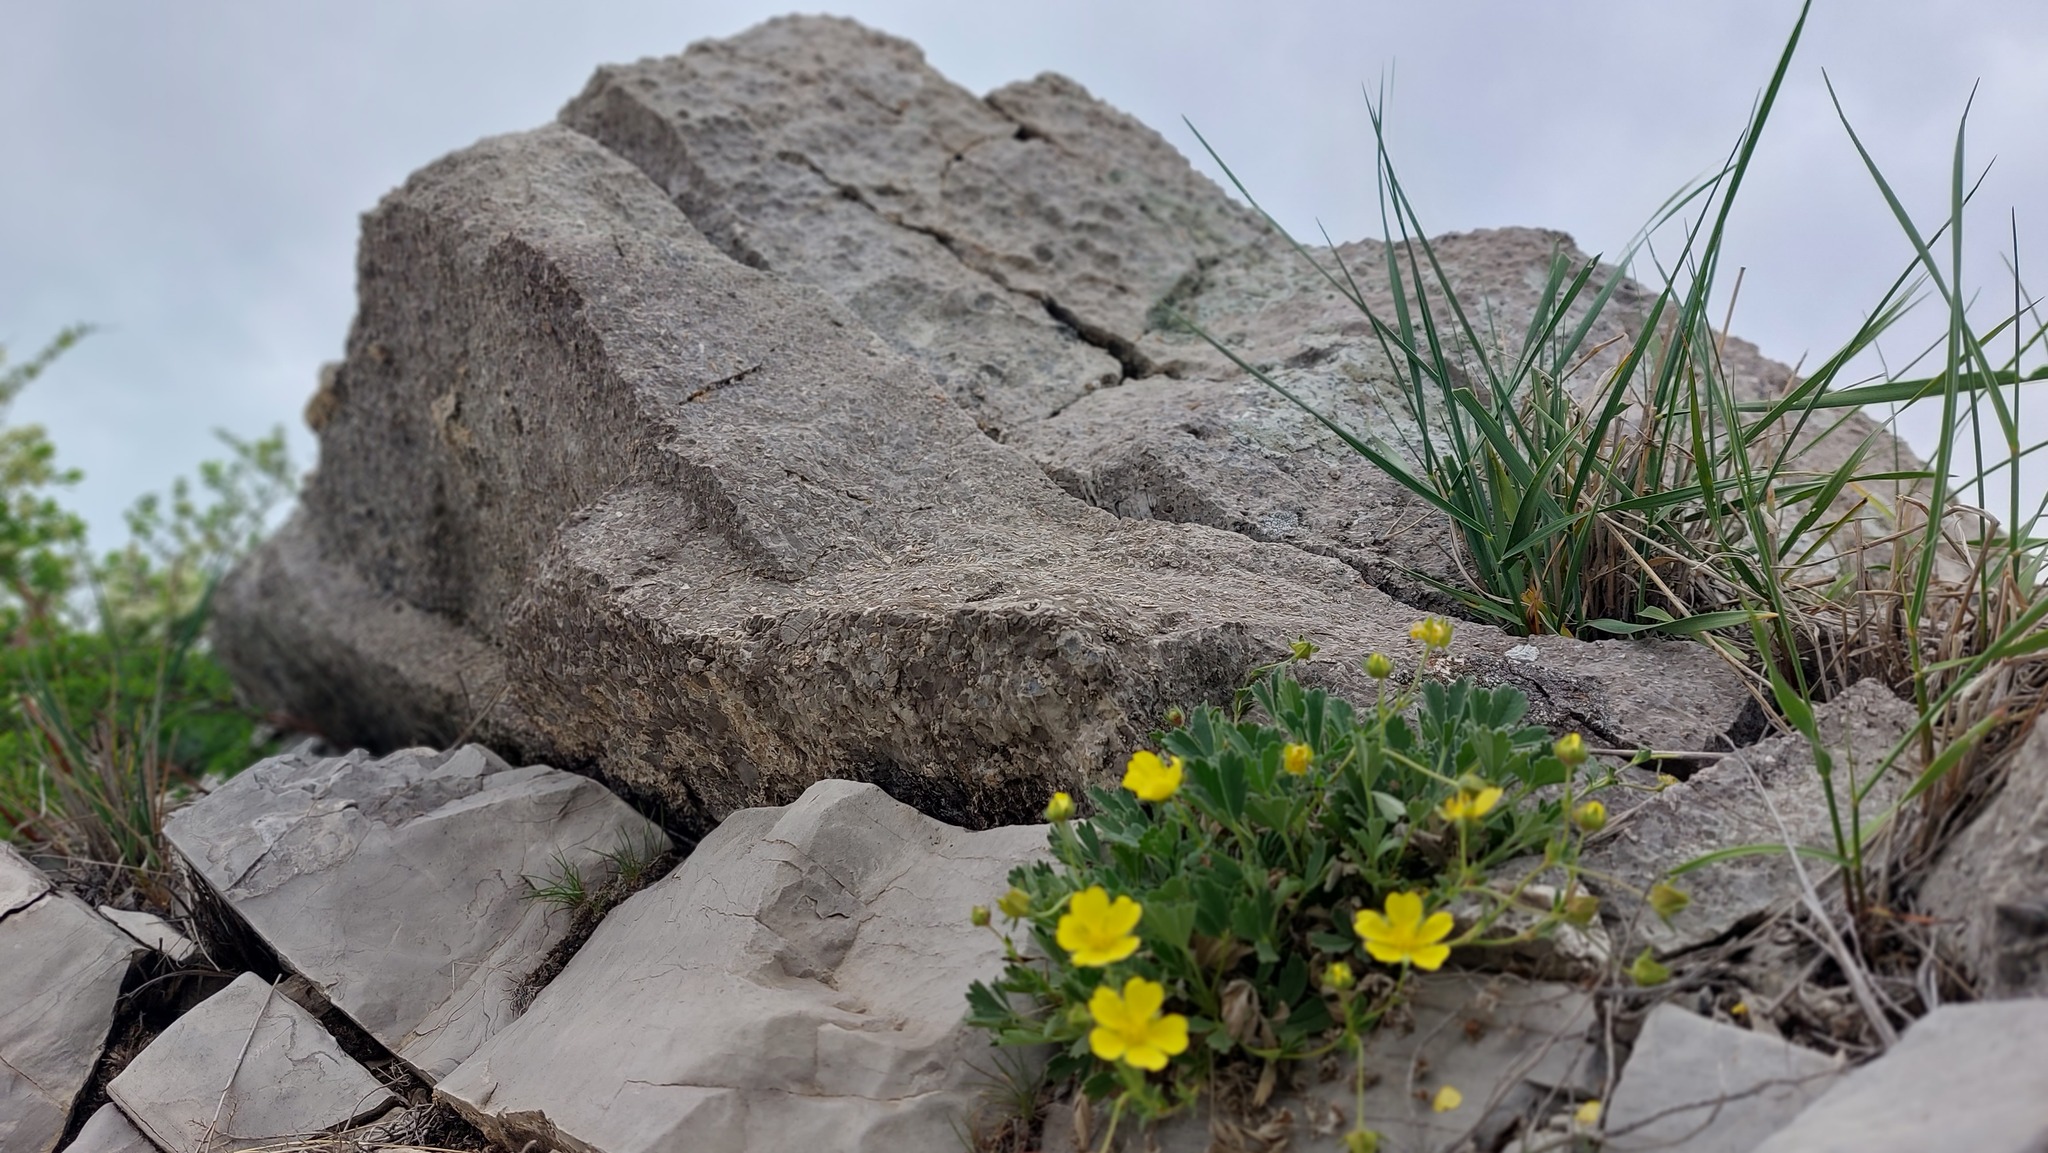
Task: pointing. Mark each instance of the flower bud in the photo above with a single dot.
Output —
(1339, 977)
(1379, 668)
(1433, 632)
(1590, 817)
(1571, 749)
(1361, 1141)
(1301, 649)
(1176, 717)
(1646, 970)
(979, 915)
(1059, 808)
(1668, 900)
(1014, 904)
(1295, 759)
(1581, 908)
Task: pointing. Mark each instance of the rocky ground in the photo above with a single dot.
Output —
(790, 458)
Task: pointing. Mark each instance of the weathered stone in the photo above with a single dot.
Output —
(108, 1130)
(151, 930)
(1507, 1045)
(703, 533)
(61, 969)
(1720, 807)
(1697, 1086)
(798, 983)
(1989, 889)
(1969, 1077)
(402, 888)
(243, 1067)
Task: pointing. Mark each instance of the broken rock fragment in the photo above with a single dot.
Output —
(798, 983)
(61, 970)
(1697, 1086)
(108, 1130)
(244, 1067)
(403, 887)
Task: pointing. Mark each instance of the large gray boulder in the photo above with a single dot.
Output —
(798, 983)
(61, 969)
(1697, 1086)
(404, 888)
(610, 499)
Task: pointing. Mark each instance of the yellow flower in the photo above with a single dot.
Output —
(1097, 931)
(1295, 758)
(1571, 749)
(1059, 808)
(1463, 806)
(1130, 1028)
(1446, 1100)
(1433, 632)
(1587, 1114)
(1403, 935)
(1378, 667)
(1339, 977)
(1014, 904)
(1590, 817)
(1151, 778)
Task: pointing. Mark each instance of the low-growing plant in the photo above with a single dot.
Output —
(1259, 889)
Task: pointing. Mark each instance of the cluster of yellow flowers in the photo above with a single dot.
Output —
(1130, 1025)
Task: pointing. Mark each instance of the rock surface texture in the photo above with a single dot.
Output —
(667, 446)
(61, 969)
(1969, 1077)
(798, 983)
(246, 1067)
(1990, 888)
(403, 887)
(108, 1130)
(1698, 1086)
(1742, 799)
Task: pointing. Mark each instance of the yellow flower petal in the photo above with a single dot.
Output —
(1296, 758)
(1588, 1114)
(1446, 1100)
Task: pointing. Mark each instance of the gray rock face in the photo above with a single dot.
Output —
(109, 1131)
(61, 969)
(1969, 1077)
(1720, 807)
(1990, 887)
(400, 887)
(798, 983)
(1698, 1086)
(244, 1067)
(625, 504)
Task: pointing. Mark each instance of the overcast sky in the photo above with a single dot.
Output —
(188, 176)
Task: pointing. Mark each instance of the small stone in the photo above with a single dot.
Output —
(1965, 1077)
(152, 931)
(1697, 1086)
(110, 1131)
(281, 1073)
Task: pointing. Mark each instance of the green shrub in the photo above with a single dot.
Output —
(1273, 881)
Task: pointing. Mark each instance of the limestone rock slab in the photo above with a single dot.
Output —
(61, 970)
(1697, 1086)
(1989, 889)
(1964, 1077)
(151, 930)
(623, 504)
(108, 1130)
(244, 1067)
(400, 886)
(1720, 807)
(798, 983)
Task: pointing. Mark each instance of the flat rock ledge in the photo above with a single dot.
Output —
(798, 983)
(633, 497)
(61, 971)
(403, 887)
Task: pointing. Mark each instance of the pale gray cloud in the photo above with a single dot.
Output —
(189, 175)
